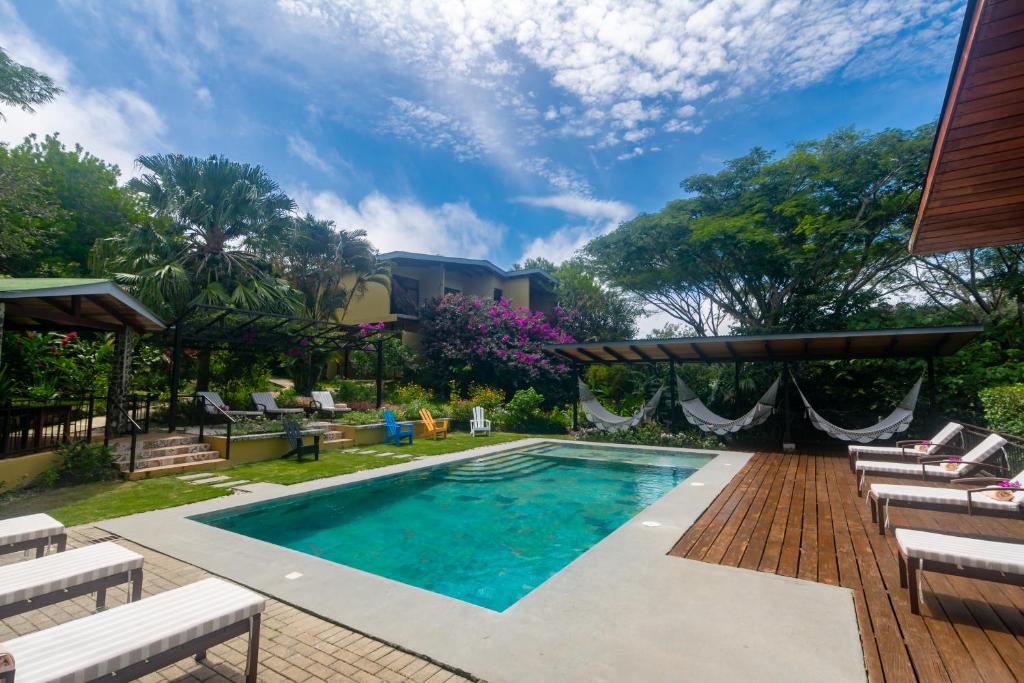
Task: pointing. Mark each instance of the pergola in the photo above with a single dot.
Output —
(226, 328)
(924, 343)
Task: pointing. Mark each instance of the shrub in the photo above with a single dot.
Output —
(411, 393)
(1004, 408)
(492, 400)
(652, 434)
(348, 391)
(524, 414)
(81, 463)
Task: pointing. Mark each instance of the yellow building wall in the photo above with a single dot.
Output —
(23, 469)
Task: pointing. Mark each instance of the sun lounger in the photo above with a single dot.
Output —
(265, 403)
(479, 424)
(62, 576)
(31, 531)
(907, 449)
(435, 428)
(213, 404)
(323, 402)
(973, 558)
(130, 641)
(935, 466)
(973, 501)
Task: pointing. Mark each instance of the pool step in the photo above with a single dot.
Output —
(499, 467)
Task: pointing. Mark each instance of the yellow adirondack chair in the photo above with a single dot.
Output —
(434, 429)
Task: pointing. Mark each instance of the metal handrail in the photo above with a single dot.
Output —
(203, 402)
(135, 429)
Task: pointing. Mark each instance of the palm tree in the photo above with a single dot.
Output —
(200, 249)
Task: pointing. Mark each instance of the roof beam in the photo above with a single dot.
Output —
(616, 355)
(942, 342)
(566, 355)
(639, 352)
(697, 350)
(731, 350)
(669, 354)
(595, 358)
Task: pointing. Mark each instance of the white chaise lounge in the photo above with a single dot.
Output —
(972, 558)
(935, 466)
(37, 532)
(973, 501)
(479, 424)
(138, 638)
(323, 402)
(907, 449)
(62, 576)
(265, 403)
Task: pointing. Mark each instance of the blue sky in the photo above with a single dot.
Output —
(492, 130)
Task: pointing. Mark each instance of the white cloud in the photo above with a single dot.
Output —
(204, 96)
(114, 124)
(598, 209)
(601, 216)
(304, 150)
(407, 225)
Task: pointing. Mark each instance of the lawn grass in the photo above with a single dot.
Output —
(86, 503)
(334, 463)
(104, 500)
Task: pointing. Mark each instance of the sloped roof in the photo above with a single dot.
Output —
(89, 303)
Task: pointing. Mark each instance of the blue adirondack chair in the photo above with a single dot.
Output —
(396, 431)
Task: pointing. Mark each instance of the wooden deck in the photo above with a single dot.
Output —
(799, 516)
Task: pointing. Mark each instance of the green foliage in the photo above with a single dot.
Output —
(492, 400)
(399, 360)
(42, 366)
(524, 413)
(80, 462)
(349, 391)
(652, 434)
(410, 393)
(55, 203)
(1004, 408)
(236, 375)
(22, 86)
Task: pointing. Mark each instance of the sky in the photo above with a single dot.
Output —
(497, 130)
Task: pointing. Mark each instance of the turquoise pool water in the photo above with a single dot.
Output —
(486, 531)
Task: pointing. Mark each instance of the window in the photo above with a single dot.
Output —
(498, 294)
(451, 290)
(405, 295)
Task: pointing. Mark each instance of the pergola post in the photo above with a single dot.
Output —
(176, 351)
(380, 371)
(736, 385)
(787, 435)
(3, 309)
(932, 400)
(576, 403)
(672, 394)
(120, 377)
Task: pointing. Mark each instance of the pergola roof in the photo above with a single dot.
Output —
(914, 342)
(73, 303)
(974, 190)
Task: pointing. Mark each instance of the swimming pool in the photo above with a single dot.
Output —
(486, 531)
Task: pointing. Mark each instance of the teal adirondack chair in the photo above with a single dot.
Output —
(396, 431)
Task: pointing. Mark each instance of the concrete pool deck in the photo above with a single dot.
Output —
(622, 611)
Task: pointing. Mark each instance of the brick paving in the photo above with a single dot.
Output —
(294, 646)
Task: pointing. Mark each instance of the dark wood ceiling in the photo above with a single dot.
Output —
(974, 191)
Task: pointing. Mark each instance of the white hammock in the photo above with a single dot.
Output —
(697, 414)
(897, 421)
(603, 419)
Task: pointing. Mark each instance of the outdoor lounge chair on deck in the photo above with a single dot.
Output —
(31, 531)
(323, 402)
(62, 576)
(395, 431)
(935, 466)
(435, 428)
(907, 449)
(972, 558)
(265, 403)
(299, 447)
(130, 641)
(211, 401)
(973, 501)
(479, 424)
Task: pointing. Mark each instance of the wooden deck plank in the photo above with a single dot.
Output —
(799, 515)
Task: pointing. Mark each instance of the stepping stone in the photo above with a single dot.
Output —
(229, 484)
(190, 477)
(367, 452)
(211, 480)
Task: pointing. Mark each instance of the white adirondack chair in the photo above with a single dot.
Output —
(479, 425)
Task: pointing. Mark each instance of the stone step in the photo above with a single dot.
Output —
(182, 449)
(158, 442)
(179, 459)
(230, 484)
(182, 468)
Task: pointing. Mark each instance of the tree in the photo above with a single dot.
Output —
(589, 310)
(796, 243)
(22, 86)
(213, 210)
(55, 203)
(977, 285)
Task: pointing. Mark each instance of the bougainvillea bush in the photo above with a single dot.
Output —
(470, 340)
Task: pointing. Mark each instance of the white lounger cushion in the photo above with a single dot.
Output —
(943, 437)
(49, 574)
(965, 552)
(29, 528)
(100, 644)
(940, 496)
(977, 455)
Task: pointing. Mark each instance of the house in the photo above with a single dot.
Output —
(418, 278)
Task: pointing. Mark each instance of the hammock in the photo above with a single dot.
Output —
(697, 414)
(603, 419)
(897, 421)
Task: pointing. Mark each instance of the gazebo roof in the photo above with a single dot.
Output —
(915, 342)
(86, 303)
